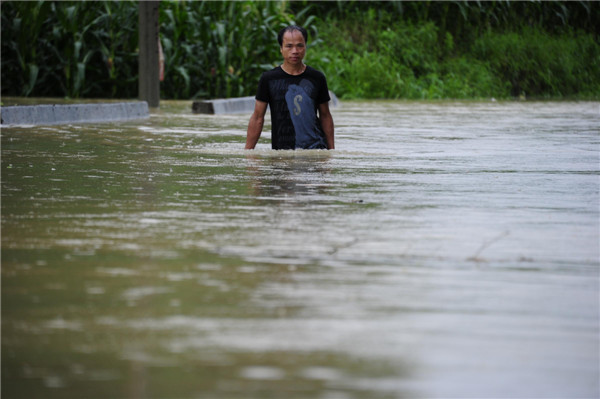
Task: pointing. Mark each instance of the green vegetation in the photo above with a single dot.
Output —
(69, 49)
(219, 49)
(414, 50)
(403, 61)
(417, 60)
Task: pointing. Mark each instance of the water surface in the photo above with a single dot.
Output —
(445, 249)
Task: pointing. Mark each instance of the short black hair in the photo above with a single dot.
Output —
(292, 28)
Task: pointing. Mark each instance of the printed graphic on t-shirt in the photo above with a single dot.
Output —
(301, 107)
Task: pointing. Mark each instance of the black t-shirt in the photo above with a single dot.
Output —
(294, 100)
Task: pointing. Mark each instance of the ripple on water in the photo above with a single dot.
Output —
(455, 243)
(262, 373)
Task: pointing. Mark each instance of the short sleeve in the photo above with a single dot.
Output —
(262, 93)
(323, 91)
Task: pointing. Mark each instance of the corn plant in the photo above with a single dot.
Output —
(24, 45)
(69, 49)
(219, 48)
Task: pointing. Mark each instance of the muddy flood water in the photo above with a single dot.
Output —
(443, 250)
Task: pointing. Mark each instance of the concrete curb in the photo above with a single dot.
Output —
(73, 113)
(236, 105)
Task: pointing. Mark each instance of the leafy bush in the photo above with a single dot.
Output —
(375, 56)
(471, 78)
(536, 63)
(401, 61)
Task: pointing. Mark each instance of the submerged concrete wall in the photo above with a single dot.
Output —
(73, 113)
(236, 105)
(224, 106)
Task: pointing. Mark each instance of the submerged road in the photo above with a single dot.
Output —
(444, 249)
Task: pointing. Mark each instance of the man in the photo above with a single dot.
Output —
(294, 92)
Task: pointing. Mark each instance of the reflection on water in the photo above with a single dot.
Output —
(444, 250)
(297, 176)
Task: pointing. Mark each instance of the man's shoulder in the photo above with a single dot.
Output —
(272, 73)
(314, 72)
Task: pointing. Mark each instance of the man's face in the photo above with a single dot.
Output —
(293, 48)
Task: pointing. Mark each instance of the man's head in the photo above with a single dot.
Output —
(292, 41)
(292, 28)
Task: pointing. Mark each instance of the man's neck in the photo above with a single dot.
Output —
(293, 69)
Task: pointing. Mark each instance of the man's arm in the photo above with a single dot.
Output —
(327, 124)
(257, 120)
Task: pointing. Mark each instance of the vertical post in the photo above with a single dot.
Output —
(148, 79)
